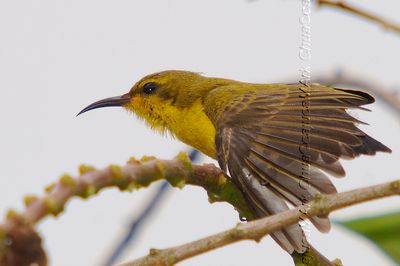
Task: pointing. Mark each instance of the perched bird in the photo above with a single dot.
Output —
(277, 142)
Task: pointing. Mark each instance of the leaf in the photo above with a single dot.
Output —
(382, 230)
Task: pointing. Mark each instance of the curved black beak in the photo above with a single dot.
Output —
(108, 102)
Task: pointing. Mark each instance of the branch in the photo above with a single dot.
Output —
(256, 230)
(21, 245)
(134, 175)
(388, 25)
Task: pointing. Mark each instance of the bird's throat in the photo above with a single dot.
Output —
(189, 124)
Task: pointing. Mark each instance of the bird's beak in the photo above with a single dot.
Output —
(112, 101)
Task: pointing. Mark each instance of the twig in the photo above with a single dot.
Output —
(388, 25)
(134, 175)
(255, 230)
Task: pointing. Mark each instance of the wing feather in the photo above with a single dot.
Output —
(277, 141)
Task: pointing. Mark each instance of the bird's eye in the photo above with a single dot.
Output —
(149, 87)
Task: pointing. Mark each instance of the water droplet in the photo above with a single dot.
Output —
(242, 218)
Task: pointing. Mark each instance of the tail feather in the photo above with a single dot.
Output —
(265, 202)
(370, 146)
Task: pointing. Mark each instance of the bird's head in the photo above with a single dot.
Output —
(159, 95)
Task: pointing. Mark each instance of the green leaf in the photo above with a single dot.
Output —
(382, 230)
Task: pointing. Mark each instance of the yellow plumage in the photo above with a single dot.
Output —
(189, 124)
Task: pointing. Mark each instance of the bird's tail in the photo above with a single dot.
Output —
(265, 202)
(291, 238)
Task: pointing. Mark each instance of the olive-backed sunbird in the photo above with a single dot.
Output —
(276, 142)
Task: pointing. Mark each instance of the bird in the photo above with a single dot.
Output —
(277, 143)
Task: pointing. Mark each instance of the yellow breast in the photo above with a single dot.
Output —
(189, 124)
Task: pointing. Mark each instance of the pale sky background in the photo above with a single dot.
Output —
(58, 56)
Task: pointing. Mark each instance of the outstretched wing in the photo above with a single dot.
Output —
(277, 142)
